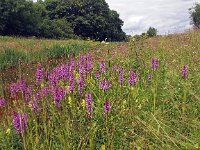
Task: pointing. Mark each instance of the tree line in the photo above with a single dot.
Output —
(61, 19)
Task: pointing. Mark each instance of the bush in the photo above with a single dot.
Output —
(152, 32)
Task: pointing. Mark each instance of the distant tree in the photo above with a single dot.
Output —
(60, 19)
(195, 15)
(18, 17)
(57, 28)
(89, 18)
(152, 32)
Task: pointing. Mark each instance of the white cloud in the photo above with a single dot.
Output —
(165, 15)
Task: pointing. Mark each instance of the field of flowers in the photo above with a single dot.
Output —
(146, 98)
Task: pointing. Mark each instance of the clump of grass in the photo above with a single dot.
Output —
(11, 57)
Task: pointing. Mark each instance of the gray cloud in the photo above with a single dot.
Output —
(167, 16)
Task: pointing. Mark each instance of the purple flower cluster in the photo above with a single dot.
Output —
(154, 63)
(88, 98)
(132, 78)
(104, 84)
(114, 68)
(89, 62)
(71, 82)
(27, 94)
(20, 122)
(107, 107)
(80, 83)
(15, 88)
(85, 64)
(58, 94)
(97, 74)
(185, 71)
(121, 75)
(39, 74)
(150, 76)
(44, 91)
(21, 87)
(2, 102)
(103, 67)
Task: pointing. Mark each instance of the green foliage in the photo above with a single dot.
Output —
(152, 32)
(61, 19)
(91, 18)
(157, 113)
(11, 57)
(195, 15)
(66, 50)
(57, 28)
(9, 139)
(18, 17)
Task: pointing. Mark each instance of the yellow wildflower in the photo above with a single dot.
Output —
(140, 106)
(103, 147)
(77, 76)
(8, 131)
(83, 103)
(67, 87)
(70, 101)
(42, 85)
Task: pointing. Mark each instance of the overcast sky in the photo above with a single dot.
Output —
(167, 16)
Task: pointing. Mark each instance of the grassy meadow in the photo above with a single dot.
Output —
(60, 95)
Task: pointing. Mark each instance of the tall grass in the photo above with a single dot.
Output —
(160, 111)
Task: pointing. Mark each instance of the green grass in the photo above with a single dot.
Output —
(159, 114)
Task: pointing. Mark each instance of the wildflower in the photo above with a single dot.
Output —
(89, 108)
(70, 101)
(63, 72)
(97, 74)
(53, 79)
(83, 103)
(15, 88)
(121, 75)
(80, 84)
(20, 122)
(22, 86)
(72, 65)
(106, 107)
(114, 68)
(34, 103)
(28, 94)
(150, 76)
(104, 84)
(154, 63)
(58, 94)
(82, 65)
(8, 131)
(132, 78)
(103, 67)
(2, 102)
(39, 74)
(185, 71)
(89, 62)
(44, 91)
(71, 82)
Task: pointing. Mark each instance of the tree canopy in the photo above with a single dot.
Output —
(195, 15)
(61, 19)
(151, 32)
